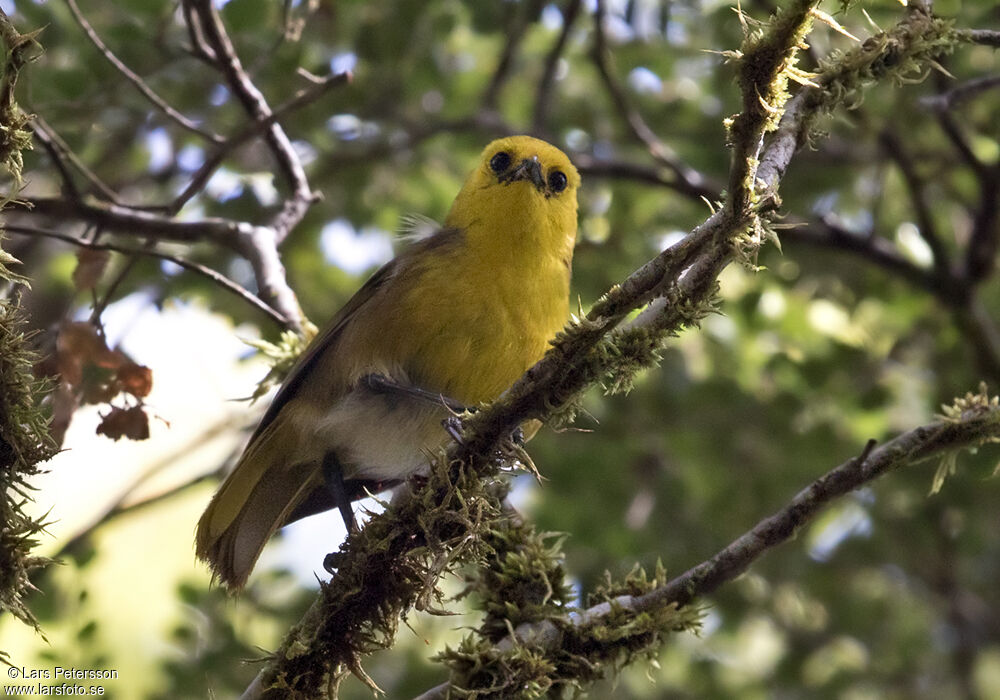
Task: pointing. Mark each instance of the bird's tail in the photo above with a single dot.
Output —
(257, 498)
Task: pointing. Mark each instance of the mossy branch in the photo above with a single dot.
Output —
(24, 434)
(767, 59)
(393, 564)
(971, 421)
(15, 136)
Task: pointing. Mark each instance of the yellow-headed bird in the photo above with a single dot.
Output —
(462, 313)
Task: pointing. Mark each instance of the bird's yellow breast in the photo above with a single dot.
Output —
(486, 308)
(474, 352)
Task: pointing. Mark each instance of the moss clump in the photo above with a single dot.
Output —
(24, 434)
(553, 650)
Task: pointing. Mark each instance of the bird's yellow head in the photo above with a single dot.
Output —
(522, 193)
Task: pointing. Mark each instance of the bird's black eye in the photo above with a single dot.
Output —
(557, 181)
(500, 162)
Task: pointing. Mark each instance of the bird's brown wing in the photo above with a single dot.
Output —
(267, 489)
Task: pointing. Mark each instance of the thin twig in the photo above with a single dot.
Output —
(987, 37)
(59, 159)
(101, 303)
(649, 174)
(982, 337)
(199, 44)
(827, 232)
(949, 125)
(980, 259)
(135, 222)
(692, 180)
(960, 93)
(63, 156)
(520, 15)
(139, 83)
(407, 135)
(198, 268)
(545, 91)
(894, 148)
(250, 131)
(255, 243)
(120, 505)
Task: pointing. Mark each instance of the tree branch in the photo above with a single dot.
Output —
(895, 149)
(255, 243)
(520, 18)
(197, 268)
(139, 83)
(256, 107)
(960, 93)
(875, 249)
(136, 222)
(980, 426)
(660, 176)
(980, 259)
(124, 502)
(953, 131)
(986, 37)
(545, 90)
(688, 179)
(62, 157)
(252, 130)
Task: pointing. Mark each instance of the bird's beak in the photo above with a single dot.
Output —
(528, 169)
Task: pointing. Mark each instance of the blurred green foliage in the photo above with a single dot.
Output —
(891, 594)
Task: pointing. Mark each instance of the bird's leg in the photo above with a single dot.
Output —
(380, 384)
(333, 478)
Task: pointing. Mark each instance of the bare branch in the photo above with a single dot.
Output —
(895, 149)
(987, 37)
(520, 18)
(961, 93)
(63, 157)
(199, 44)
(136, 222)
(980, 260)
(252, 130)
(983, 337)
(951, 128)
(60, 158)
(139, 83)
(406, 135)
(649, 174)
(829, 233)
(197, 268)
(255, 243)
(124, 501)
(101, 302)
(691, 180)
(256, 106)
(951, 290)
(545, 91)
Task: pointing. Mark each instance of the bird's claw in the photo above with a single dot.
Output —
(453, 426)
(332, 562)
(517, 436)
